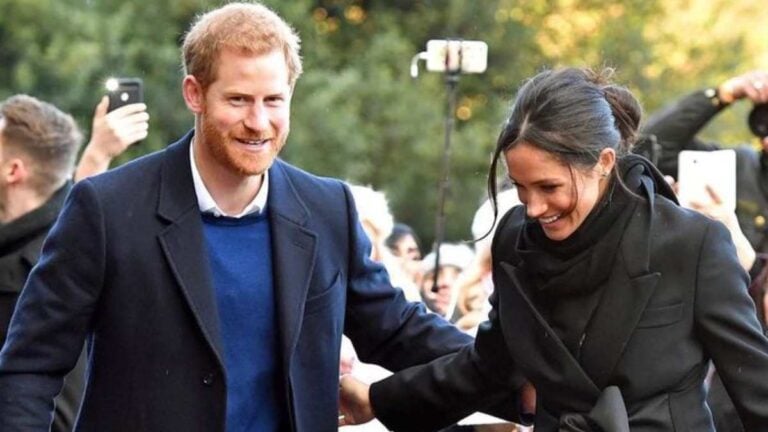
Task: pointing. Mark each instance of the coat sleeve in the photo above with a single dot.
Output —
(676, 127)
(384, 328)
(480, 377)
(727, 325)
(52, 317)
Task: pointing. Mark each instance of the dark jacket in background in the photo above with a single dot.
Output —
(676, 127)
(20, 243)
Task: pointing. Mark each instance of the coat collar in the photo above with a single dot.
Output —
(183, 243)
(626, 295)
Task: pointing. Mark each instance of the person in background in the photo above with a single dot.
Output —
(454, 258)
(609, 298)
(211, 280)
(403, 243)
(38, 147)
(378, 223)
(475, 284)
(677, 127)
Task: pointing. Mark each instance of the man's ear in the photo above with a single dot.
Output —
(15, 171)
(194, 95)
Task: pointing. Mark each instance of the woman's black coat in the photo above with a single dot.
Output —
(675, 299)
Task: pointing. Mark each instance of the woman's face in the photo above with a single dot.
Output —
(558, 197)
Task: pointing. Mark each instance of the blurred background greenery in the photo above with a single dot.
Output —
(357, 114)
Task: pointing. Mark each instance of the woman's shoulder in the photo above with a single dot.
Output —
(671, 216)
(507, 230)
(681, 230)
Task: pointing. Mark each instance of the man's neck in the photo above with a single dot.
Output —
(21, 202)
(232, 192)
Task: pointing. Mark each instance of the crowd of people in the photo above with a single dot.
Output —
(213, 286)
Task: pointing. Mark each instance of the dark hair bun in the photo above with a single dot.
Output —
(627, 112)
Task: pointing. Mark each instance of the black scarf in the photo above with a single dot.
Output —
(583, 261)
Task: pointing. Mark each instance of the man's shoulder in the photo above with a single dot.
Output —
(299, 174)
(143, 171)
(305, 180)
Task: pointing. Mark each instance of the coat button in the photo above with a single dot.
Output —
(208, 379)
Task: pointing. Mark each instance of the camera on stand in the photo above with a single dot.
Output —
(452, 56)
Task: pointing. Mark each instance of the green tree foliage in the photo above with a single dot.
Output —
(357, 114)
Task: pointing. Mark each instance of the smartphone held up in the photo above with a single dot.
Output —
(124, 91)
(698, 170)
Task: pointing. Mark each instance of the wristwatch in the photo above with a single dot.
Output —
(714, 97)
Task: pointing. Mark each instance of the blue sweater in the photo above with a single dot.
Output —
(240, 256)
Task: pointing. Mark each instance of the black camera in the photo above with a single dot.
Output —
(758, 120)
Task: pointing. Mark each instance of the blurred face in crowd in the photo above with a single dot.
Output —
(439, 301)
(407, 248)
(3, 183)
(555, 194)
(244, 113)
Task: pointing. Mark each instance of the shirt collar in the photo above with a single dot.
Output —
(205, 201)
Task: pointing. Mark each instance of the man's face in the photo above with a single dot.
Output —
(245, 113)
(439, 301)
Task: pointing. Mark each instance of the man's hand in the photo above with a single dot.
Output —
(112, 133)
(355, 402)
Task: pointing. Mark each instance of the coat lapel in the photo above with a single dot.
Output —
(540, 350)
(183, 244)
(294, 252)
(626, 296)
(614, 321)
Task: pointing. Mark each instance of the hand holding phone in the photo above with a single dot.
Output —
(112, 132)
(698, 170)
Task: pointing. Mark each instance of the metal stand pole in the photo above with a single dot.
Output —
(451, 85)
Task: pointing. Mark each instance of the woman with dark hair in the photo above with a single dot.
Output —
(610, 298)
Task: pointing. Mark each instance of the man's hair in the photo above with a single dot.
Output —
(250, 28)
(47, 138)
